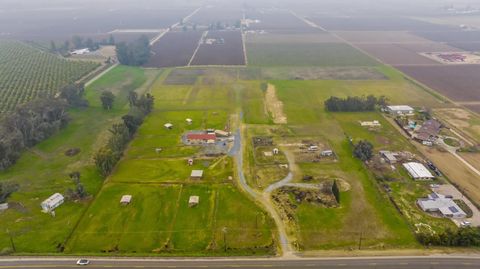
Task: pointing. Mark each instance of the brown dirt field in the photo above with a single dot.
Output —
(474, 108)
(281, 22)
(274, 105)
(380, 37)
(292, 38)
(465, 122)
(458, 82)
(395, 54)
(472, 158)
(228, 53)
(460, 175)
(174, 49)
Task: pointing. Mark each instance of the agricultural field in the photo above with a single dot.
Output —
(321, 54)
(395, 54)
(217, 14)
(160, 184)
(457, 82)
(278, 22)
(28, 73)
(43, 24)
(174, 49)
(298, 38)
(220, 48)
(43, 170)
(381, 37)
(376, 23)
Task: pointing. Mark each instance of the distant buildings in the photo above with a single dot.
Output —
(52, 202)
(440, 203)
(168, 125)
(418, 171)
(400, 110)
(80, 51)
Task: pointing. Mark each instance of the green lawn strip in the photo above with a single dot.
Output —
(44, 170)
(171, 170)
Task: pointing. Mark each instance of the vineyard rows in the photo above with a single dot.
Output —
(26, 73)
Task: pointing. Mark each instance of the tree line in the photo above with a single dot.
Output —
(462, 237)
(122, 133)
(134, 53)
(35, 121)
(354, 103)
(78, 42)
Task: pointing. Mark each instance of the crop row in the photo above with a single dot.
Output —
(26, 73)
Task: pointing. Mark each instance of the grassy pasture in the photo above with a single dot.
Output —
(160, 184)
(44, 169)
(160, 217)
(314, 54)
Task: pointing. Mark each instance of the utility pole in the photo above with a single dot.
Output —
(11, 240)
(224, 230)
(360, 242)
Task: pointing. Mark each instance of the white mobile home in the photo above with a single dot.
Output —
(52, 202)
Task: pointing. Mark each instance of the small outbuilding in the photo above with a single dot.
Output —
(390, 157)
(312, 148)
(3, 206)
(326, 153)
(190, 162)
(168, 125)
(189, 121)
(126, 199)
(374, 123)
(52, 202)
(418, 171)
(193, 201)
(221, 133)
(196, 174)
(275, 151)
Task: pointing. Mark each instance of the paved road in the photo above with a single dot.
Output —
(347, 263)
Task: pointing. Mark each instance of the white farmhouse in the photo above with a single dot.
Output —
(52, 202)
(439, 203)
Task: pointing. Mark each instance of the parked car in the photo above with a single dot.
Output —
(465, 223)
(83, 262)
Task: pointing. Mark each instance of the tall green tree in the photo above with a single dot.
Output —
(363, 150)
(107, 99)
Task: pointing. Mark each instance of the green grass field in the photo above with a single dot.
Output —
(314, 54)
(161, 186)
(44, 169)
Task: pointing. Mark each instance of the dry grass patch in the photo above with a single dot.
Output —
(274, 105)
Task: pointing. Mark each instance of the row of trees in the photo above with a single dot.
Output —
(135, 53)
(35, 121)
(355, 103)
(28, 125)
(463, 237)
(78, 42)
(121, 133)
